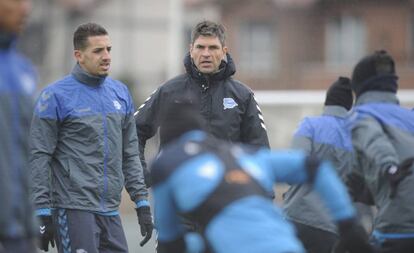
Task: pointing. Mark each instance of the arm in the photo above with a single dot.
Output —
(253, 129)
(131, 165)
(369, 138)
(297, 168)
(134, 175)
(302, 137)
(146, 120)
(43, 140)
(170, 232)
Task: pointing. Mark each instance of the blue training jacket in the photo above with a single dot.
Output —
(83, 134)
(383, 136)
(185, 174)
(325, 137)
(17, 87)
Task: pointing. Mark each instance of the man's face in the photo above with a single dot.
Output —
(13, 15)
(96, 57)
(207, 53)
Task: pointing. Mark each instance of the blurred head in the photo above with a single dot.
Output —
(180, 117)
(374, 72)
(207, 47)
(13, 15)
(340, 93)
(92, 49)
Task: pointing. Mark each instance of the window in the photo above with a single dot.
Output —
(257, 44)
(345, 40)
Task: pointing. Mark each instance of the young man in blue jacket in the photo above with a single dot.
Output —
(18, 229)
(325, 137)
(224, 188)
(84, 150)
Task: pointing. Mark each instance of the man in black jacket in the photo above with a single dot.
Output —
(228, 106)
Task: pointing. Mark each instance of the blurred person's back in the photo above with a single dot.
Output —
(17, 85)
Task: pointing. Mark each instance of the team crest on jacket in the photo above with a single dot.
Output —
(229, 103)
(117, 105)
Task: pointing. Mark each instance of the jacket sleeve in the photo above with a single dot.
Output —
(146, 120)
(294, 167)
(302, 139)
(369, 139)
(42, 142)
(253, 129)
(170, 232)
(131, 165)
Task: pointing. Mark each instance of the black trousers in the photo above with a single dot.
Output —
(315, 240)
(82, 231)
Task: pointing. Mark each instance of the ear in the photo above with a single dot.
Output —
(78, 55)
(225, 50)
(191, 50)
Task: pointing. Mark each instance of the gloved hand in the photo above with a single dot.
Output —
(145, 223)
(47, 232)
(396, 174)
(353, 238)
(358, 189)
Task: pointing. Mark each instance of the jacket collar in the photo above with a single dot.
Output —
(226, 69)
(377, 97)
(335, 110)
(84, 77)
(6, 40)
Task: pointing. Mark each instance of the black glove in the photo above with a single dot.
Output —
(47, 232)
(353, 238)
(395, 174)
(358, 189)
(145, 223)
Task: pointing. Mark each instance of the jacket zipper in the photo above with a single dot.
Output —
(105, 139)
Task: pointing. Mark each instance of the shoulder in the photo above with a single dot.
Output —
(240, 90)
(62, 85)
(174, 83)
(315, 121)
(238, 85)
(62, 89)
(167, 161)
(307, 125)
(175, 154)
(23, 61)
(117, 85)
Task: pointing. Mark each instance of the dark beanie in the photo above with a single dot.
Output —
(179, 117)
(340, 93)
(374, 72)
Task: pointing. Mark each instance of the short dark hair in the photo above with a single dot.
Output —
(84, 31)
(209, 28)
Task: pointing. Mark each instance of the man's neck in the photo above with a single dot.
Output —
(84, 77)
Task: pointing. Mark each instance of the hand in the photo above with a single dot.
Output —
(353, 238)
(47, 232)
(396, 174)
(358, 189)
(145, 223)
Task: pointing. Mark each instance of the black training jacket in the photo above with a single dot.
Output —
(227, 105)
